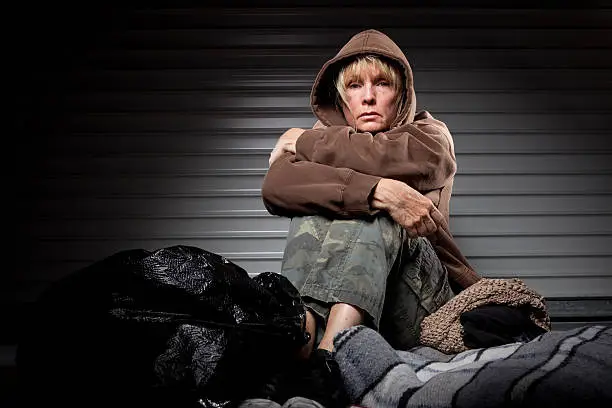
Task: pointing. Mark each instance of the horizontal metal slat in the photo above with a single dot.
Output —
(510, 184)
(439, 37)
(241, 101)
(542, 267)
(196, 122)
(542, 246)
(595, 287)
(255, 262)
(200, 164)
(358, 17)
(265, 226)
(261, 141)
(205, 186)
(575, 287)
(194, 207)
(275, 79)
(313, 58)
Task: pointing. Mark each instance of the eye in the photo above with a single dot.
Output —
(354, 85)
(384, 83)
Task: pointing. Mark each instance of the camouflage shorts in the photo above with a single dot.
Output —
(371, 264)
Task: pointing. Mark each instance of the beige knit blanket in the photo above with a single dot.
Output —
(442, 330)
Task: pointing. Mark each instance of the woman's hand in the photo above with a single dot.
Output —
(409, 208)
(286, 143)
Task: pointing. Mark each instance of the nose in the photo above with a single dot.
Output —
(369, 94)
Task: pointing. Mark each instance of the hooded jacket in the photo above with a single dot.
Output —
(335, 168)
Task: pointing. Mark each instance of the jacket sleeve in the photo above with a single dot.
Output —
(305, 188)
(419, 154)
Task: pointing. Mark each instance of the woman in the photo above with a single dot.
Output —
(368, 191)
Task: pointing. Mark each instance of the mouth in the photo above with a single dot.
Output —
(369, 115)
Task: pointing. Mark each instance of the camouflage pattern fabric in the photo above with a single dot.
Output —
(371, 264)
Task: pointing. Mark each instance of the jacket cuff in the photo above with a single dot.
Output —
(304, 147)
(357, 193)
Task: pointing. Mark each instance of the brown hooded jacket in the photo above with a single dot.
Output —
(335, 168)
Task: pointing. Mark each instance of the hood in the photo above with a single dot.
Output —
(323, 93)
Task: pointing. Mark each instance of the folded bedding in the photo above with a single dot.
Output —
(557, 368)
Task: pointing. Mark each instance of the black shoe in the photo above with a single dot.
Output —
(318, 378)
(281, 384)
(321, 381)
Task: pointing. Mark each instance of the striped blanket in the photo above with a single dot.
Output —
(562, 368)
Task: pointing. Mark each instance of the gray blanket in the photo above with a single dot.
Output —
(555, 369)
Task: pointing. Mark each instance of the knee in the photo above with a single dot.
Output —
(382, 222)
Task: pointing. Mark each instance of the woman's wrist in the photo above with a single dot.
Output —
(382, 196)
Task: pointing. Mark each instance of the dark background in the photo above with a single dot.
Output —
(151, 126)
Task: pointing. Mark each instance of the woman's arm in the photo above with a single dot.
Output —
(304, 188)
(419, 154)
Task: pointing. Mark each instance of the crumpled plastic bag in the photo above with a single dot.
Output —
(179, 325)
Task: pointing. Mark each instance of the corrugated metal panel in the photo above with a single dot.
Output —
(159, 135)
(498, 80)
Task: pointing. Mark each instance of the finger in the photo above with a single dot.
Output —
(437, 217)
(430, 225)
(422, 229)
(289, 147)
(412, 232)
(412, 226)
(273, 156)
(319, 125)
(408, 226)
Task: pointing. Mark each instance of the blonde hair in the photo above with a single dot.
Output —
(352, 71)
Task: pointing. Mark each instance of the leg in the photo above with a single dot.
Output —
(418, 286)
(304, 241)
(341, 316)
(341, 262)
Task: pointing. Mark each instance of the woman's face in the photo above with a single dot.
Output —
(371, 101)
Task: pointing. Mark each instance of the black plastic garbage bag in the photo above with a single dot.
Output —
(179, 326)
